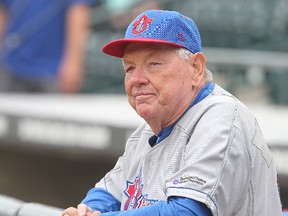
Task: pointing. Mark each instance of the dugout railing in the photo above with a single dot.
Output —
(13, 207)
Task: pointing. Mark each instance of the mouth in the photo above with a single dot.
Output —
(142, 95)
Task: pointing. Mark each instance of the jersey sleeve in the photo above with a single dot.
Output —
(175, 206)
(100, 200)
(216, 162)
(115, 180)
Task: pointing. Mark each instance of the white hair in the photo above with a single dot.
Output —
(185, 54)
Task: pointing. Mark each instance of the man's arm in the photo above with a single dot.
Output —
(2, 23)
(71, 69)
(175, 206)
(99, 201)
(96, 201)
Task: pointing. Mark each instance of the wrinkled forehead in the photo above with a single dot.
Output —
(145, 48)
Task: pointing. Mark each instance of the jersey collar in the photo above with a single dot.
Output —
(203, 93)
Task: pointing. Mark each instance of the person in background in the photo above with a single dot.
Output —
(42, 44)
(123, 11)
(200, 151)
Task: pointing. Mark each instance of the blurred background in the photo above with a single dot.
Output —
(56, 144)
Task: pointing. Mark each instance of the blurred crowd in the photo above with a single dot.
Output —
(42, 43)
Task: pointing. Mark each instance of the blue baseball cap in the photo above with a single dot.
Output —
(161, 27)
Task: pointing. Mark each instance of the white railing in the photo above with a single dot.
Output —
(13, 207)
(248, 58)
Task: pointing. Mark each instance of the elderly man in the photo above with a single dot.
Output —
(200, 152)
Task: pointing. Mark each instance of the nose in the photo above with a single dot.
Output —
(138, 77)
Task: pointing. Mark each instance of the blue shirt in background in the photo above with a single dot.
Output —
(34, 39)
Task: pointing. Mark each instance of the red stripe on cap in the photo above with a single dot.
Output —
(117, 48)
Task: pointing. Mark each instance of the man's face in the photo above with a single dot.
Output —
(158, 83)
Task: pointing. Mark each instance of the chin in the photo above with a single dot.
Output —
(144, 113)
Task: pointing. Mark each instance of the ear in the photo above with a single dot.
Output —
(198, 62)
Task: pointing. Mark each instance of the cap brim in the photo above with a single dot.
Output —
(117, 47)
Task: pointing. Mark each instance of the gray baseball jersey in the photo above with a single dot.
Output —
(215, 154)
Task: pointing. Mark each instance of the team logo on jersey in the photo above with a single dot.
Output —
(141, 24)
(134, 193)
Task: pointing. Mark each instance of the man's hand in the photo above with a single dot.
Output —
(70, 77)
(71, 71)
(82, 210)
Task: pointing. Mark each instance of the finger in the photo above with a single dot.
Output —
(70, 212)
(96, 213)
(83, 209)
